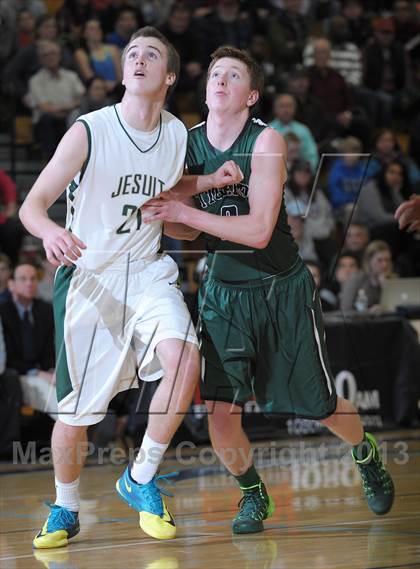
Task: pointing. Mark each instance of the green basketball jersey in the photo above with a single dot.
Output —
(230, 261)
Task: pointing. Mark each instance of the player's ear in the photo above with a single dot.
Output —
(253, 98)
(170, 78)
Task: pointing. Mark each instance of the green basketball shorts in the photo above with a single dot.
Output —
(266, 339)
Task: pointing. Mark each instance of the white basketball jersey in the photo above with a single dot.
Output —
(125, 168)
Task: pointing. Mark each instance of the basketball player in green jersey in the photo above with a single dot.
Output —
(262, 330)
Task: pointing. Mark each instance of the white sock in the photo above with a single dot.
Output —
(68, 494)
(148, 459)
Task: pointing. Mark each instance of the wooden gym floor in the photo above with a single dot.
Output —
(321, 520)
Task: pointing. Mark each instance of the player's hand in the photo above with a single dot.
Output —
(62, 247)
(408, 214)
(229, 173)
(159, 209)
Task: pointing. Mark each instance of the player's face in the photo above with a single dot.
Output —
(229, 86)
(145, 68)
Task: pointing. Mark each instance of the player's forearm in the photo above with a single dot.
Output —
(244, 229)
(191, 185)
(34, 217)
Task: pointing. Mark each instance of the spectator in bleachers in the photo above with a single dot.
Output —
(328, 299)
(348, 264)
(154, 12)
(293, 149)
(5, 274)
(284, 121)
(346, 176)
(95, 98)
(357, 20)
(287, 33)
(54, 92)
(309, 110)
(356, 240)
(224, 24)
(406, 20)
(296, 222)
(28, 325)
(125, 25)
(377, 266)
(319, 219)
(26, 62)
(385, 68)
(329, 86)
(382, 195)
(179, 30)
(25, 29)
(346, 57)
(385, 151)
(11, 230)
(96, 58)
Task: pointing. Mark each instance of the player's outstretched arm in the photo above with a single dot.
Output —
(190, 185)
(60, 245)
(268, 175)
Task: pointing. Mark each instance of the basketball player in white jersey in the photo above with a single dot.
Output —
(117, 307)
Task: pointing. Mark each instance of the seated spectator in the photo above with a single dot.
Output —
(319, 219)
(329, 86)
(377, 266)
(382, 195)
(125, 26)
(309, 110)
(284, 122)
(11, 230)
(304, 242)
(26, 62)
(26, 24)
(7, 31)
(376, 208)
(5, 273)
(287, 33)
(179, 30)
(293, 149)
(98, 59)
(385, 151)
(224, 24)
(356, 240)
(347, 264)
(346, 177)
(328, 299)
(54, 93)
(346, 57)
(357, 20)
(96, 98)
(406, 21)
(36, 7)
(28, 325)
(385, 68)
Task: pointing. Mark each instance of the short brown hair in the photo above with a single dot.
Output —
(255, 71)
(173, 56)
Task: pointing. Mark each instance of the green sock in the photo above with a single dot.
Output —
(249, 479)
(363, 451)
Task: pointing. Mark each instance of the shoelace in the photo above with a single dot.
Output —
(59, 518)
(152, 490)
(250, 505)
(374, 475)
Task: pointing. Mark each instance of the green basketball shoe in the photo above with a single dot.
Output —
(254, 507)
(378, 486)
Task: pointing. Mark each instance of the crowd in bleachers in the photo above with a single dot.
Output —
(342, 83)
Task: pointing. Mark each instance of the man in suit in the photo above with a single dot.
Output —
(28, 325)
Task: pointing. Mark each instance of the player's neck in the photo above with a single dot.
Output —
(223, 128)
(141, 114)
